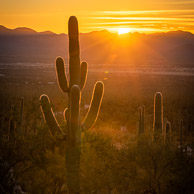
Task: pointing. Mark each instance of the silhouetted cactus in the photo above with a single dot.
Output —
(21, 115)
(167, 133)
(181, 135)
(140, 116)
(74, 127)
(141, 119)
(12, 124)
(158, 116)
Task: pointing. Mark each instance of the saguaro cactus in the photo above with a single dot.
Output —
(181, 135)
(167, 132)
(158, 116)
(73, 86)
(12, 124)
(141, 119)
(21, 115)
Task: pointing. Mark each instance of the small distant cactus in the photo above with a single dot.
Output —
(181, 135)
(158, 117)
(12, 124)
(141, 119)
(167, 132)
(74, 127)
(21, 115)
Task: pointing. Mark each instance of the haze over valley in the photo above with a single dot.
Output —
(24, 45)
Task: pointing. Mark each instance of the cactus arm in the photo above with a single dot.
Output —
(49, 117)
(66, 115)
(94, 106)
(61, 75)
(84, 71)
(74, 51)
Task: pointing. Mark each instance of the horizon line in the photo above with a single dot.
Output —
(110, 30)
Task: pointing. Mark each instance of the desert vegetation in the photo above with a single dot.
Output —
(142, 141)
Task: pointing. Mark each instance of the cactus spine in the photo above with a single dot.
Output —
(74, 127)
(141, 119)
(167, 132)
(158, 117)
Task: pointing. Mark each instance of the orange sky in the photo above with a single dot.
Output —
(135, 15)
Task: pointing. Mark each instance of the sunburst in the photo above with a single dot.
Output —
(123, 30)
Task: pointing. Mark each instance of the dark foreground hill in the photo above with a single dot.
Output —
(100, 47)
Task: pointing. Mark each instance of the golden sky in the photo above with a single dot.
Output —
(135, 15)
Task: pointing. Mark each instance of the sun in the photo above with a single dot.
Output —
(123, 30)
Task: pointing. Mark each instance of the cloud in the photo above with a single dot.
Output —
(161, 20)
(179, 2)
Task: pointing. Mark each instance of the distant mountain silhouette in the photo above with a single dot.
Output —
(17, 31)
(99, 47)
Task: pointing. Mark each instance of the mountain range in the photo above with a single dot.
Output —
(98, 47)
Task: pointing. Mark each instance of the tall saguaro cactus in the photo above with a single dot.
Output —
(73, 86)
(158, 116)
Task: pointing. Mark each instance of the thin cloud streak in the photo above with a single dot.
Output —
(178, 2)
(145, 12)
(140, 22)
(142, 18)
